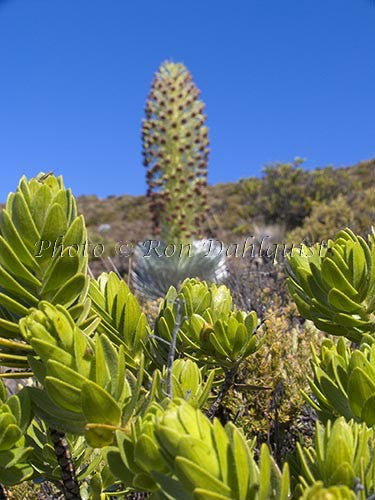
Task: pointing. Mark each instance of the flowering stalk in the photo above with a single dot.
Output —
(175, 149)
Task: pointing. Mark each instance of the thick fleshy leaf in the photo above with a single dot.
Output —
(194, 476)
(360, 389)
(99, 406)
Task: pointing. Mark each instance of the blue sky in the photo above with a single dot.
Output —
(281, 78)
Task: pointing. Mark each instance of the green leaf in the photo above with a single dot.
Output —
(264, 473)
(368, 411)
(102, 376)
(333, 393)
(117, 466)
(55, 224)
(358, 264)
(3, 392)
(99, 406)
(285, 483)
(48, 351)
(76, 234)
(342, 302)
(12, 305)
(11, 262)
(171, 486)
(194, 476)
(9, 436)
(15, 475)
(54, 414)
(97, 436)
(65, 374)
(63, 394)
(15, 456)
(24, 222)
(9, 284)
(242, 461)
(336, 279)
(146, 453)
(199, 452)
(343, 474)
(10, 233)
(70, 291)
(62, 270)
(201, 494)
(39, 205)
(360, 389)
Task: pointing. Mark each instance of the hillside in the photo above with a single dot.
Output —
(285, 196)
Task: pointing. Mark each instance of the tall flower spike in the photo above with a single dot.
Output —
(175, 149)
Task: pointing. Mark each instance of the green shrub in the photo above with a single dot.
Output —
(344, 382)
(86, 391)
(286, 193)
(42, 257)
(342, 455)
(355, 211)
(122, 319)
(266, 399)
(139, 402)
(334, 286)
(190, 457)
(211, 331)
(15, 416)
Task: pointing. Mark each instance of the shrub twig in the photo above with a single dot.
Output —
(64, 459)
(230, 375)
(3, 495)
(172, 348)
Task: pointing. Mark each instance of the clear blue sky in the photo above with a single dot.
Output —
(281, 78)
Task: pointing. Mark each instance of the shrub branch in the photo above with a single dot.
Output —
(64, 459)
